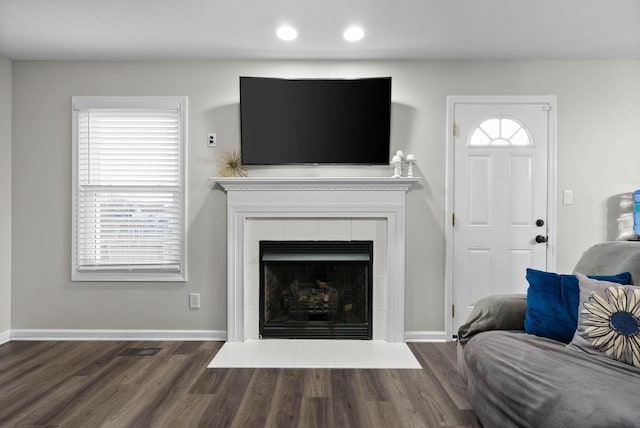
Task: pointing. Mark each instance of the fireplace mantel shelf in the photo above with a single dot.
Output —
(315, 183)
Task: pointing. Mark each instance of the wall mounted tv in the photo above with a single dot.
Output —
(315, 121)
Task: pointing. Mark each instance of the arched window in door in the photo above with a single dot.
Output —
(500, 131)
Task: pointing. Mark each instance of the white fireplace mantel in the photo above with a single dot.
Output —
(315, 197)
(316, 183)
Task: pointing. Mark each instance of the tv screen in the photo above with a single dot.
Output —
(315, 121)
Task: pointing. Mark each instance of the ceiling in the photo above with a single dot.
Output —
(245, 29)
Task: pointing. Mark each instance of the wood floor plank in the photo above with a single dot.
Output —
(45, 384)
(13, 354)
(188, 348)
(87, 358)
(286, 400)
(174, 401)
(315, 412)
(370, 387)
(427, 389)
(347, 406)
(86, 384)
(113, 392)
(439, 361)
(186, 412)
(416, 410)
(443, 365)
(317, 383)
(142, 409)
(23, 365)
(382, 413)
(256, 403)
(100, 398)
(209, 381)
(226, 397)
(96, 384)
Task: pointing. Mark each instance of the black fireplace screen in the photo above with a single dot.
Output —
(316, 289)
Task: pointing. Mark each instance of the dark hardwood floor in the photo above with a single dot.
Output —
(94, 384)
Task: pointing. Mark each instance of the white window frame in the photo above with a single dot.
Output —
(79, 273)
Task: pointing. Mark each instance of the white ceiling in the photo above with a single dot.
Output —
(395, 29)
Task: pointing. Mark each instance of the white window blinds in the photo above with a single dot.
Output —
(129, 188)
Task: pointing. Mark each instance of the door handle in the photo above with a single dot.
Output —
(541, 239)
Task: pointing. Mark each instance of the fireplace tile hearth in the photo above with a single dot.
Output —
(292, 353)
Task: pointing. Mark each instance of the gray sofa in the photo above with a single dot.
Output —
(515, 379)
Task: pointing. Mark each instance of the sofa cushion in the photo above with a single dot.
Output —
(609, 320)
(521, 380)
(552, 303)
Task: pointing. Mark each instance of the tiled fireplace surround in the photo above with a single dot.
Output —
(286, 208)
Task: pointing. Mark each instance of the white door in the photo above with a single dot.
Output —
(500, 201)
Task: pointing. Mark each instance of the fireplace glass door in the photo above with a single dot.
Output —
(316, 289)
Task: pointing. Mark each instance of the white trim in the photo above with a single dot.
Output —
(316, 183)
(321, 197)
(159, 335)
(163, 102)
(126, 335)
(425, 336)
(551, 100)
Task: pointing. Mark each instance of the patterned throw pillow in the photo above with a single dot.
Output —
(609, 320)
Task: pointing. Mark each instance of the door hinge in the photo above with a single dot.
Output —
(454, 129)
(453, 311)
(453, 219)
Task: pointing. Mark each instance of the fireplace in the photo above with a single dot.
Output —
(316, 289)
(272, 208)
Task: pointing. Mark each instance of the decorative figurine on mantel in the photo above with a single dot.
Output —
(229, 165)
(396, 162)
(411, 160)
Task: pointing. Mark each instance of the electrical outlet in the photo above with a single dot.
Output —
(194, 300)
(211, 139)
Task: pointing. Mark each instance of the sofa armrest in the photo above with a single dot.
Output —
(497, 312)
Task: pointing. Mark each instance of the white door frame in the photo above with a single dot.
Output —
(551, 186)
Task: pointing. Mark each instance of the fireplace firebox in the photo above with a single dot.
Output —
(316, 289)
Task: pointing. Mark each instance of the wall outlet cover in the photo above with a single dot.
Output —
(211, 139)
(194, 300)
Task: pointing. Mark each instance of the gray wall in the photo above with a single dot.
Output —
(598, 152)
(5, 195)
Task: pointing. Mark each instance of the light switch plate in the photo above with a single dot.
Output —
(567, 197)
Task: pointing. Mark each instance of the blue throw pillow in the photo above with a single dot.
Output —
(552, 303)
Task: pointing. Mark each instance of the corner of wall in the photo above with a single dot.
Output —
(6, 89)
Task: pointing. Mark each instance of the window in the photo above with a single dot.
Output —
(129, 188)
(500, 131)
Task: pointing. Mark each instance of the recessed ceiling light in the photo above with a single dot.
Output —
(353, 33)
(287, 33)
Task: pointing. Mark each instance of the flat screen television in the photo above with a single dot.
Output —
(315, 121)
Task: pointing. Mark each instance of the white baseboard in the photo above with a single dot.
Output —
(157, 335)
(127, 335)
(425, 336)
